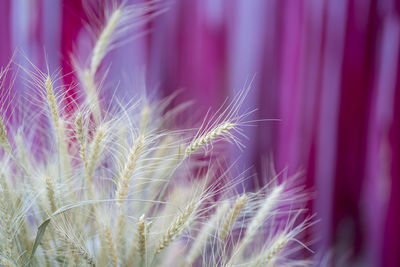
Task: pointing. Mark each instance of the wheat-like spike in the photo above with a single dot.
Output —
(112, 252)
(95, 149)
(6, 219)
(58, 124)
(92, 162)
(93, 158)
(274, 251)
(120, 238)
(3, 137)
(257, 221)
(269, 256)
(99, 49)
(80, 136)
(211, 135)
(142, 236)
(177, 226)
(232, 215)
(124, 180)
(79, 132)
(51, 100)
(77, 248)
(139, 244)
(51, 194)
(123, 184)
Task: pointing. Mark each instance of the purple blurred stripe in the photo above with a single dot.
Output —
(192, 54)
(246, 45)
(5, 46)
(290, 86)
(327, 68)
(51, 28)
(379, 153)
(349, 227)
(327, 121)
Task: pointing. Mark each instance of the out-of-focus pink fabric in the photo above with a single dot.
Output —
(72, 23)
(5, 33)
(328, 69)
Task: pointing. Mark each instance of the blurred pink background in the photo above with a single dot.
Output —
(328, 69)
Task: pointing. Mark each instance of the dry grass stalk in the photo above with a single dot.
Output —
(51, 194)
(3, 137)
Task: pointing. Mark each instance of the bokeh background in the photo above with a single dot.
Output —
(328, 69)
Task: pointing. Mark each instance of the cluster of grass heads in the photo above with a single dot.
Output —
(81, 184)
